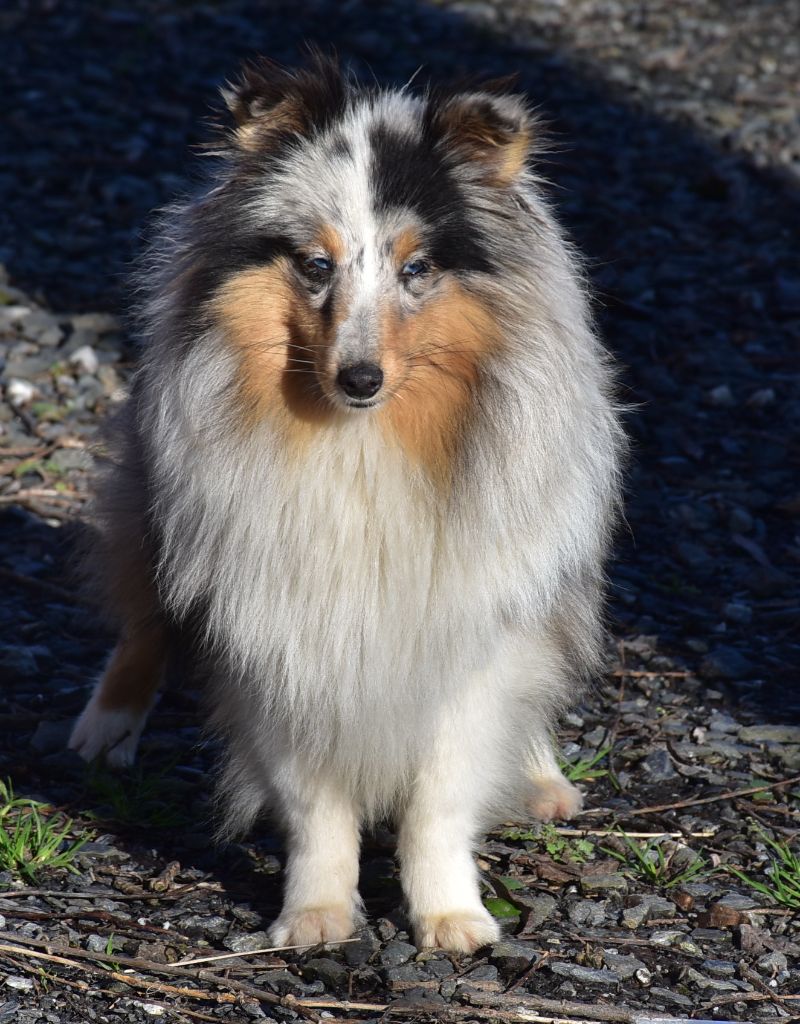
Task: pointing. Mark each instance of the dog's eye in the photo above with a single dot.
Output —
(318, 268)
(415, 268)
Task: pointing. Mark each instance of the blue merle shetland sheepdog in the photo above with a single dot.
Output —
(372, 449)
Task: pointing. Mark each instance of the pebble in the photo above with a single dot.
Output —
(211, 925)
(358, 953)
(772, 963)
(721, 396)
(512, 957)
(735, 611)
(85, 359)
(669, 997)
(20, 392)
(539, 908)
(643, 908)
(770, 734)
(623, 966)
(658, 766)
(589, 976)
(719, 968)
(246, 942)
(330, 972)
(612, 883)
(19, 983)
(586, 912)
(396, 952)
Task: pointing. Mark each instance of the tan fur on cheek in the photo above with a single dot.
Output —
(440, 349)
(277, 338)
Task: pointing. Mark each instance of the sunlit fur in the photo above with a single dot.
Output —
(400, 599)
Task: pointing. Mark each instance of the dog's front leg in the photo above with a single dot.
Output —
(439, 829)
(320, 899)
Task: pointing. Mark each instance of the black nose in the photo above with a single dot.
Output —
(360, 380)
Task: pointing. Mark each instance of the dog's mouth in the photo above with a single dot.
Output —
(363, 403)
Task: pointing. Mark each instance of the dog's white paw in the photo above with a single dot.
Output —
(554, 797)
(462, 931)
(309, 926)
(114, 734)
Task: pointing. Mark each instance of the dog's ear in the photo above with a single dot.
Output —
(494, 132)
(271, 103)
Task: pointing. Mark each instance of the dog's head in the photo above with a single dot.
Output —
(348, 253)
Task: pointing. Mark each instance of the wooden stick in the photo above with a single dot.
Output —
(128, 979)
(634, 835)
(139, 964)
(728, 795)
(254, 952)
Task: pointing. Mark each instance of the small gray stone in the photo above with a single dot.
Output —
(737, 901)
(613, 882)
(96, 323)
(666, 937)
(735, 611)
(247, 942)
(19, 392)
(589, 976)
(721, 721)
(396, 953)
(719, 968)
(512, 957)
(20, 984)
(772, 963)
(658, 765)
(358, 953)
(669, 997)
(85, 359)
(408, 976)
(646, 908)
(331, 973)
(98, 943)
(212, 925)
(789, 755)
(770, 734)
(595, 737)
(284, 983)
(586, 912)
(713, 984)
(539, 908)
(721, 397)
(623, 966)
(484, 977)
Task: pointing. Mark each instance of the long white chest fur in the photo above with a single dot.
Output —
(337, 584)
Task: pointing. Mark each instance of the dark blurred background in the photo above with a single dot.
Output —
(676, 169)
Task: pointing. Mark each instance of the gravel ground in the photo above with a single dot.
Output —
(677, 170)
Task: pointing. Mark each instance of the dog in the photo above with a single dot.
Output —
(372, 456)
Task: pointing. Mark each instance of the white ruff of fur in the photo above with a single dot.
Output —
(354, 608)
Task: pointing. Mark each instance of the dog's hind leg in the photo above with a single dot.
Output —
(551, 794)
(112, 722)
